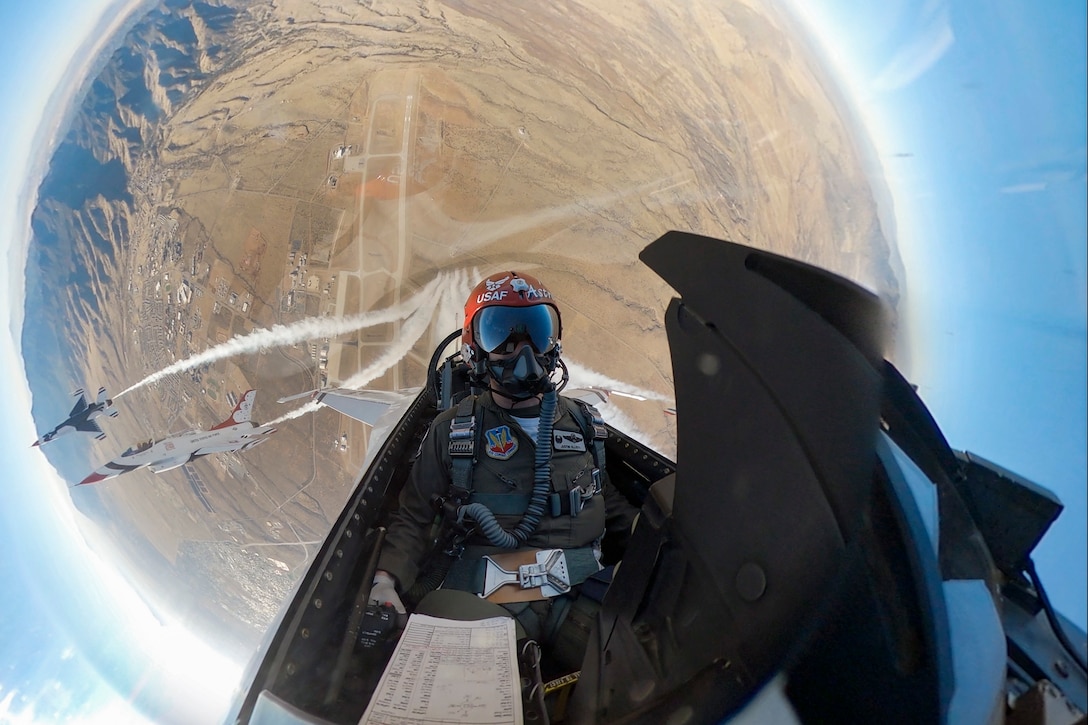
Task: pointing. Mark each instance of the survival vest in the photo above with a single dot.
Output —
(462, 449)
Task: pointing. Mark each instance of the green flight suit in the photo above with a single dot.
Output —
(504, 465)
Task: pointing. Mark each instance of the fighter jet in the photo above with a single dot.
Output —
(820, 554)
(82, 417)
(236, 433)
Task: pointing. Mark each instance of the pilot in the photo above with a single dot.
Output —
(519, 467)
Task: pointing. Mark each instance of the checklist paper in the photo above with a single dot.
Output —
(450, 671)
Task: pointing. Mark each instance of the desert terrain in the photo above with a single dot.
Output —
(336, 159)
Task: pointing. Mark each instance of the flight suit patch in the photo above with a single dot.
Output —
(565, 440)
(501, 443)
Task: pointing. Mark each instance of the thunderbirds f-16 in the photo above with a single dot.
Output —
(824, 555)
(82, 417)
(236, 433)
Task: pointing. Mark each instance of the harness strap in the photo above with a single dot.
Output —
(593, 427)
(462, 447)
(514, 504)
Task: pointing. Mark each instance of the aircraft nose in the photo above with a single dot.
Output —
(93, 478)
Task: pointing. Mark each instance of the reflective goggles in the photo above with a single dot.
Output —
(500, 329)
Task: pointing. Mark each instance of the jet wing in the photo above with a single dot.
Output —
(168, 464)
(81, 404)
(589, 396)
(236, 441)
(367, 406)
(89, 426)
(371, 406)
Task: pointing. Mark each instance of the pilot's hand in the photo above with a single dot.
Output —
(384, 592)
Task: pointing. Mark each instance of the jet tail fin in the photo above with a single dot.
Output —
(241, 412)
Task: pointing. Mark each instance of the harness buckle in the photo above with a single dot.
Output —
(462, 437)
(579, 495)
(460, 448)
(549, 574)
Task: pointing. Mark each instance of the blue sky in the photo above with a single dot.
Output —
(43, 658)
(78, 643)
(977, 110)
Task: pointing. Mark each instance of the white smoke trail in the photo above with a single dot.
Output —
(413, 329)
(472, 235)
(309, 329)
(410, 332)
(583, 377)
(619, 420)
(310, 407)
(450, 313)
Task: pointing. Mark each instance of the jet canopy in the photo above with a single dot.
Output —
(139, 448)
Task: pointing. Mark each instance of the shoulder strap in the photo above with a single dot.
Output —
(592, 425)
(463, 447)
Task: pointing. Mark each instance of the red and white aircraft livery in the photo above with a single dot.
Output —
(82, 417)
(236, 433)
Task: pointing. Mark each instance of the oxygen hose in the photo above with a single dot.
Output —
(542, 486)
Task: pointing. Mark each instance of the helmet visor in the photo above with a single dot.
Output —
(500, 329)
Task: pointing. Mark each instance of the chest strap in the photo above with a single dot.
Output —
(570, 503)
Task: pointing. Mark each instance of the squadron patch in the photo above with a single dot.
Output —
(565, 440)
(501, 443)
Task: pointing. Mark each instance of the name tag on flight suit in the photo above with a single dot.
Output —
(565, 440)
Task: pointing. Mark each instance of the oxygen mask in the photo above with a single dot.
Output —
(523, 375)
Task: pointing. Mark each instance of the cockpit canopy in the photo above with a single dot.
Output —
(139, 448)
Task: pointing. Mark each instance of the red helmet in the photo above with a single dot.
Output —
(510, 307)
